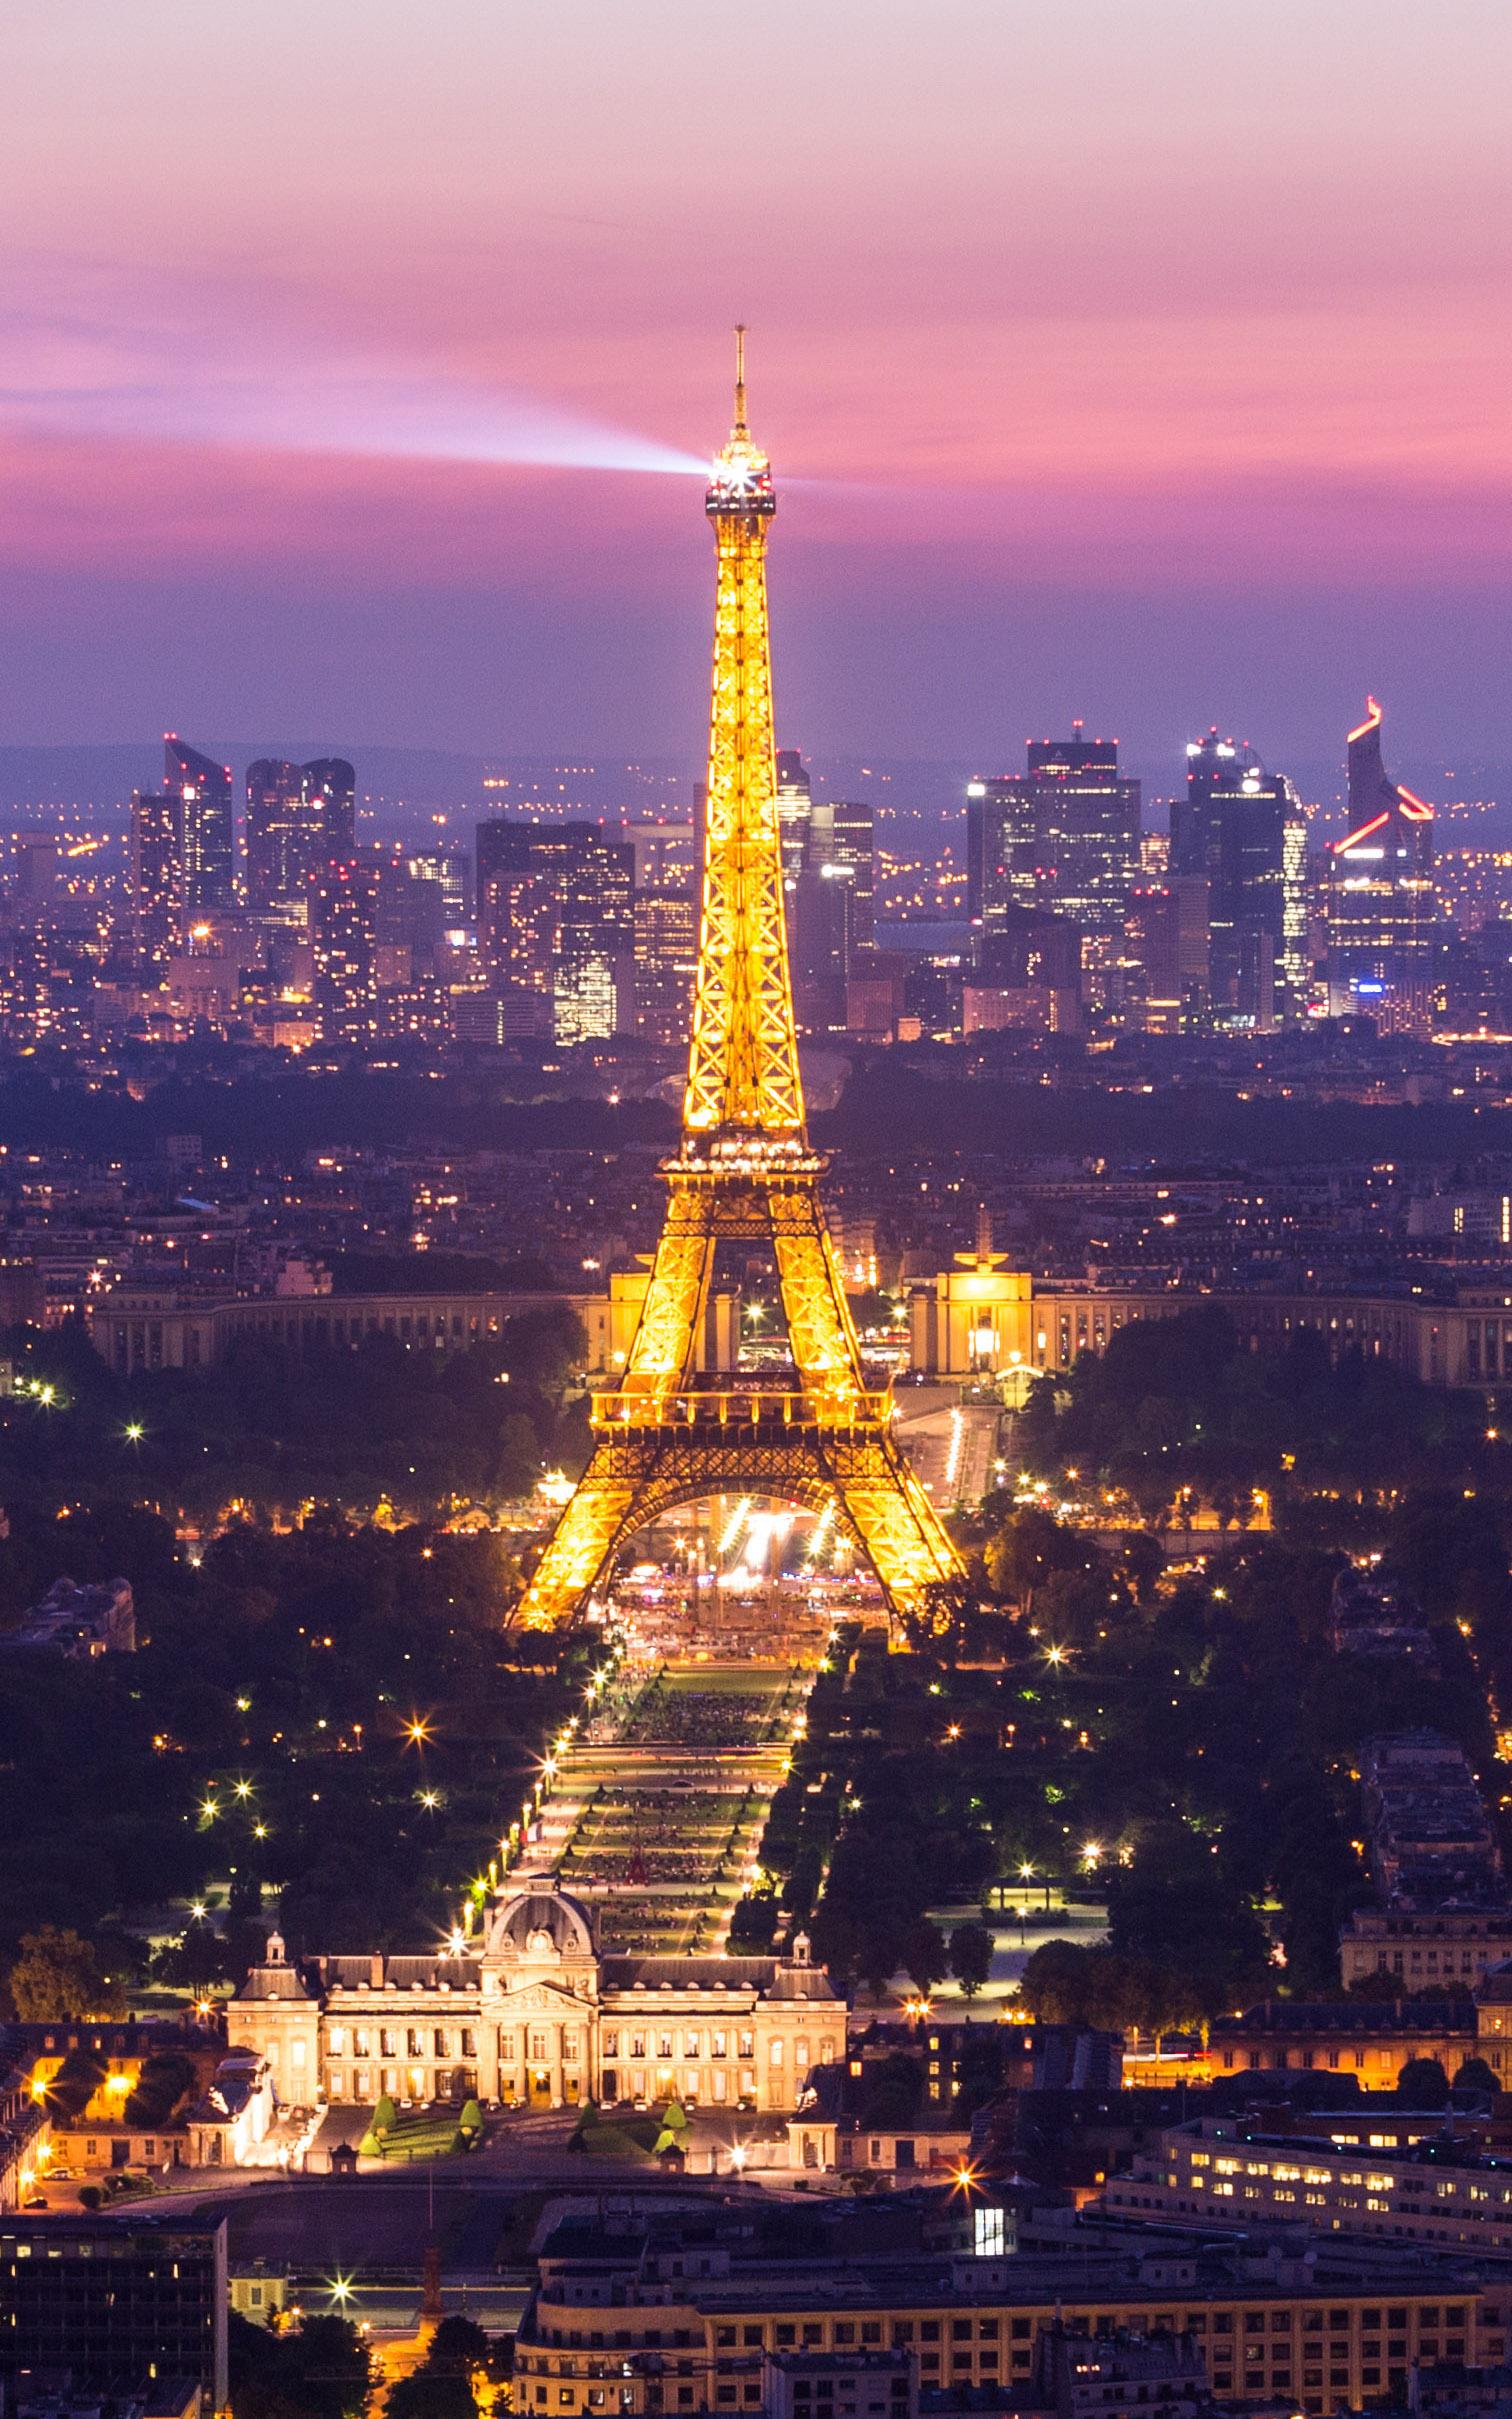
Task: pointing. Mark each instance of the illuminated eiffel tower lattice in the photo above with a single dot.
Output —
(673, 1430)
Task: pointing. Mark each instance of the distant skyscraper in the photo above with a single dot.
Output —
(853, 848)
(664, 854)
(156, 878)
(666, 954)
(281, 833)
(207, 822)
(331, 788)
(556, 912)
(1002, 856)
(449, 867)
(300, 817)
(409, 907)
(519, 915)
(34, 858)
(1025, 971)
(343, 937)
(1382, 913)
(1064, 834)
(822, 940)
(1166, 940)
(1241, 830)
(1088, 818)
(795, 801)
(829, 878)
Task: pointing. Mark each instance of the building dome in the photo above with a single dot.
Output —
(539, 1923)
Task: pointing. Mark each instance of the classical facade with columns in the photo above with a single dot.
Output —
(533, 2015)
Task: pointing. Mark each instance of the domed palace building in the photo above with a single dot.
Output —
(533, 2015)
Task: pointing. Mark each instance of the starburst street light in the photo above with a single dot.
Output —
(417, 1730)
(430, 1799)
(241, 1789)
(134, 1432)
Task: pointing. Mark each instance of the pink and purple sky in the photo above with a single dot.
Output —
(1144, 359)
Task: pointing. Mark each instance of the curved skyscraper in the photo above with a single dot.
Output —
(279, 854)
(1382, 912)
(300, 818)
(207, 823)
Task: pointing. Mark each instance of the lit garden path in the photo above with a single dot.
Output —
(656, 1808)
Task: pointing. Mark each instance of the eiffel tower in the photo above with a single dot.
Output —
(672, 1431)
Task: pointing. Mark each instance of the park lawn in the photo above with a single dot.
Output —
(432, 2134)
(632, 2136)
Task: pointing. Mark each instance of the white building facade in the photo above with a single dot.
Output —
(535, 2016)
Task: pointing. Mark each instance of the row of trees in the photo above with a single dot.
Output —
(1180, 1409)
(1184, 1748)
(321, 2368)
(273, 1429)
(326, 1724)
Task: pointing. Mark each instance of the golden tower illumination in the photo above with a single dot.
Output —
(672, 1431)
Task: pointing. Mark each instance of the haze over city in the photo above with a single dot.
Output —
(1145, 362)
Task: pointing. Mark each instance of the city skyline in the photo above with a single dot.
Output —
(755, 1348)
(1180, 403)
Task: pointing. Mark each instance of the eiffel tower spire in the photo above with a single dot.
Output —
(743, 1068)
(673, 1431)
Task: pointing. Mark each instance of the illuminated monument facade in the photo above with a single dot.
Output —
(673, 1429)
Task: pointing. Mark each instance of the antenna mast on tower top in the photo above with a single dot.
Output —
(740, 418)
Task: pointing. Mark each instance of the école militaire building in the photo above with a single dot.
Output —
(535, 2015)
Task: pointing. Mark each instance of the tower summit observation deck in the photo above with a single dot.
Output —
(673, 1431)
